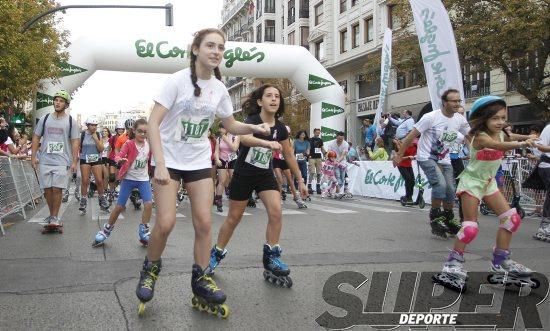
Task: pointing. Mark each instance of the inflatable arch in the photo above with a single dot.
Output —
(165, 54)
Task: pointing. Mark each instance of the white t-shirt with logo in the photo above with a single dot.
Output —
(438, 134)
(184, 129)
(138, 169)
(338, 149)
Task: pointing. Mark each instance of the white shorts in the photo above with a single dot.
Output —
(53, 176)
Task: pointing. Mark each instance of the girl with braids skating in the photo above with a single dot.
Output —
(183, 112)
(254, 171)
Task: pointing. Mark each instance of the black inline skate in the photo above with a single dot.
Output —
(309, 189)
(251, 202)
(136, 199)
(206, 294)
(276, 271)
(318, 188)
(103, 203)
(453, 275)
(146, 287)
(452, 224)
(218, 202)
(437, 223)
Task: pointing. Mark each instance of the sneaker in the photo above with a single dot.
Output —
(46, 221)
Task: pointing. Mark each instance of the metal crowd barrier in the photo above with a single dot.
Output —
(19, 187)
(516, 171)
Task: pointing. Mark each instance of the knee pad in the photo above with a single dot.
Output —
(510, 220)
(468, 232)
(112, 178)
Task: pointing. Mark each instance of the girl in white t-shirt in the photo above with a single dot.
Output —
(178, 126)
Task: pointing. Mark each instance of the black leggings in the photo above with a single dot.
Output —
(408, 176)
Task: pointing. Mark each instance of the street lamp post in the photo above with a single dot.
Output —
(168, 8)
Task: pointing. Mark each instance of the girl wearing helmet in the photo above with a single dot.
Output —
(253, 171)
(91, 147)
(178, 126)
(477, 183)
(329, 183)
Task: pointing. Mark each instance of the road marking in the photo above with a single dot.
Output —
(224, 213)
(285, 211)
(45, 212)
(366, 206)
(330, 210)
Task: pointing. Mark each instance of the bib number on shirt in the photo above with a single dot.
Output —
(328, 168)
(318, 150)
(300, 157)
(232, 157)
(192, 131)
(91, 158)
(140, 164)
(260, 157)
(54, 147)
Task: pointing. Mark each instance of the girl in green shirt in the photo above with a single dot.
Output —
(380, 154)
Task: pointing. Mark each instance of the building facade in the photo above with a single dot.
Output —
(344, 35)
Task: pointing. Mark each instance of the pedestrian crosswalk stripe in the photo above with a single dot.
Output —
(45, 212)
(366, 206)
(330, 210)
(224, 213)
(285, 211)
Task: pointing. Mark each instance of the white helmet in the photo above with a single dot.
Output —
(119, 125)
(92, 120)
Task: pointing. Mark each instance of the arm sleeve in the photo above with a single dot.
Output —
(225, 107)
(424, 124)
(168, 93)
(123, 151)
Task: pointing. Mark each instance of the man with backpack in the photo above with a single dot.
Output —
(58, 153)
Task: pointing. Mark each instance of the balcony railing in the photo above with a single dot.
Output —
(236, 7)
(472, 90)
(237, 34)
(244, 27)
(251, 20)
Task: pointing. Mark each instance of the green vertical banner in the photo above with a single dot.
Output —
(43, 100)
(328, 134)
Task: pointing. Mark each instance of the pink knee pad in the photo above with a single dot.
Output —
(510, 220)
(468, 232)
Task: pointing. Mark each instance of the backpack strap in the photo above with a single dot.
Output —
(70, 126)
(44, 123)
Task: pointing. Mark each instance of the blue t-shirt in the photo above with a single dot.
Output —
(301, 146)
(369, 134)
(88, 150)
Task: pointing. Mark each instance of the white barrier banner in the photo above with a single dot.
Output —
(438, 46)
(385, 76)
(379, 179)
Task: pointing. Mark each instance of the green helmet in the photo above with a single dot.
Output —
(63, 94)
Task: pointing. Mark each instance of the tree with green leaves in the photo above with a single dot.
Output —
(510, 35)
(26, 58)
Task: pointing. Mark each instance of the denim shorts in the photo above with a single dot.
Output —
(441, 178)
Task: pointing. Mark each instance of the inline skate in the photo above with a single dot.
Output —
(251, 202)
(218, 203)
(437, 223)
(103, 203)
(453, 275)
(146, 286)
(506, 271)
(136, 199)
(543, 232)
(309, 189)
(206, 294)
(65, 196)
(216, 256)
(82, 206)
(102, 235)
(300, 203)
(318, 188)
(452, 224)
(144, 233)
(276, 271)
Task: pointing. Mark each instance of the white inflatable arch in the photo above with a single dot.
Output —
(167, 54)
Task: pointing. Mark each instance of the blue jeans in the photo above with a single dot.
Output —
(303, 170)
(441, 178)
(340, 174)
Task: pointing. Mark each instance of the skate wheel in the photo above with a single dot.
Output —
(213, 310)
(535, 283)
(141, 309)
(224, 311)
(194, 302)
(60, 231)
(203, 307)
(421, 204)
(288, 282)
(491, 280)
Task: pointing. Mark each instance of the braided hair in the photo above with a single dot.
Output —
(197, 40)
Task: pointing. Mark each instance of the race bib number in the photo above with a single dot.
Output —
(91, 158)
(54, 147)
(260, 157)
(318, 150)
(140, 164)
(191, 130)
(232, 157)
(328, 168)
(300, 157)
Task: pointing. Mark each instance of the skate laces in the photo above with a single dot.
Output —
(210, 283)
(150, 278)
